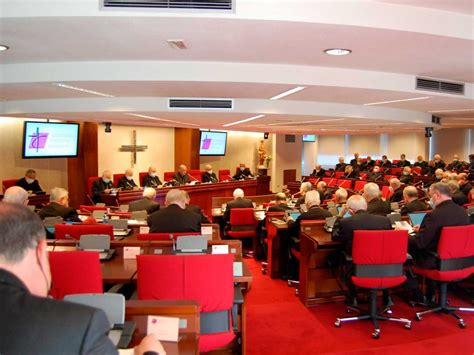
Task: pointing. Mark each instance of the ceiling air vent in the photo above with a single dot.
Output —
(221, 104)
(439, 86)
(171, 4)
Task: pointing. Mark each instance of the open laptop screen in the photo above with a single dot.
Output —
(416, 218)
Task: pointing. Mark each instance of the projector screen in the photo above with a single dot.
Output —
(212, 143)
(309, 138)
(50, 140)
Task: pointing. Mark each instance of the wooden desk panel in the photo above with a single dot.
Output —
(35, 200)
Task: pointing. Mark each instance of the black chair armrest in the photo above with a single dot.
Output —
(347, 257)
(295, 240)
(238, 296)
(238, 300)
(409, 257)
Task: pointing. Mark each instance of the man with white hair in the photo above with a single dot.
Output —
(341, 166)
(340, 196)
(126, 182)
(16, 195)
(464, 184)
(59, 206)
(152, 179)
(375, 174)
(407, 177)
(456, 164)
(304, 188)
(318, 171)
(343, 231)
(209, 175)
(103, 185)
(280, 203)
(411, 200)
(456, 195)
(182, 177)
(439, 174)
(174, 218)
(374, 204)
(325, 193)
(239, 201)
(397, 190)
(439, 163)
(147, 203)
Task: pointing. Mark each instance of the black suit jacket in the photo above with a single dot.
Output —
(98, 187)
(343, 230)
(378, 207)
(149, 181)
(421, 164)
(413, 206)
(397, 195)
(439, 165)
(353, 162)
(314, 213)
(353, 175)
(242, 174)
(300, 201)
(374, 176)
(36, 325)
(459, 198)
(445, 214)
(340, 167)
(281, 207)
(143, 204)
(174, 219)
(466, 188)
(56, 210)
(319, 173)
(406, 179)
(197, 209)
(237, 203)
(126, 184)
(403, 163)
(386, 164)
(182, 180)
(206, 177)
(34, 186)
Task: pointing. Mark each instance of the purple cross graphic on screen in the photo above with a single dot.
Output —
(38, 140)
(206, 143)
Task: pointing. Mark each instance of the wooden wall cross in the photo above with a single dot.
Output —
(134, 148)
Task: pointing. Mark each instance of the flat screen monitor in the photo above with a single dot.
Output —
(416, 218)
(213, 143)
(309, 138)
(50, 140)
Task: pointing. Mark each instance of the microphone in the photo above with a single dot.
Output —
(174, 242)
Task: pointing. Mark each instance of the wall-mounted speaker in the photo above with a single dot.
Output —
(428, 132)
(265, 135)
(108, 127)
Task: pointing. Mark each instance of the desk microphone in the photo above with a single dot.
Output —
(174, 242)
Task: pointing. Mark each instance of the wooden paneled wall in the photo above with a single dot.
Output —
(186, 147)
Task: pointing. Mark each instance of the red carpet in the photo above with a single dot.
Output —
(278, 323)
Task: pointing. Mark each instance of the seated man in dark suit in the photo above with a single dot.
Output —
(16, 195)
(325, 192)
(103, 185)
(374, 204)
(29, 182)
(464, 184)
(421, 163)
(407, 177)
(30, 321)
(343, 231)
(456, 195)
(243, 173)
(126, 182)
(151, 180)
(195, 208)
(351, 172)
(238, 202)
(209, 175)
(341, 166)
(385, 162)
(280, 203)
(304, 188)
(175, 217)
(412, 203)
(425, 242)
(59, 206)
(368, 164)
(397, 189)
(147, 203)
(438, 162)
(456, 164)
(182, 177)
(375, 174)
(403, 161)
(318, 171)
(354, 161)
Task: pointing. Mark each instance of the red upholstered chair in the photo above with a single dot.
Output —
(242, 224)
(359, 185)
(469, 196)
(416, 170)
(208, 279)
(224, 174)
(363, 176)
(168, 176)
(90, 209)
(327, 179)
(141, 176)
(75, 272)
(163, 236)
(196, 174)
(395, 161)
(338, 174)
(378, 258)
(8, 183)
(386, 193)
(90, 181)
(332, 182)
(313, 180)
(389, 177)
(328, 173)
(378, 162)
(344, 183)
(117, 177)
(74, 231)
(395, 171)
(455, 262)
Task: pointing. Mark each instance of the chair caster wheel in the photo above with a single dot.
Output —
(411, 304)
(408, 326)
(337, 323)
(388, 311)
(418, 317)
(461, 324)
(376, 334)
(348, 310)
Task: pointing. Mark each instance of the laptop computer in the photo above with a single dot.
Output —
(99, 243)
(124, 208)
(330, 223)
(191, 244)
(292, 213)
(120, 227)
(416, 218)
(346, 215)
(394, 217)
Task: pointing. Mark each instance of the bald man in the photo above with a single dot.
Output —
(126, 182)
(16, 195)
(103, 185)
(182, 176)
(152, 179)
(209, 175)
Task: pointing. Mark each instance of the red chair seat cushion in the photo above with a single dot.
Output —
(378, 282)
(241, 234)
(438, 275)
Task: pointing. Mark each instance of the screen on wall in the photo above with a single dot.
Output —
(309, 138)
(213, 143)
(50, 140)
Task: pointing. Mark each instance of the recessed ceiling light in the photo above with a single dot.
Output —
(286, 93)
(338, 51)
(242, 121)
(81, 90)
(394, 101)
(453, 110)
(3, 47)
(159, 119)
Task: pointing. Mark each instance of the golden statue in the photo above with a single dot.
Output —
(261, 153)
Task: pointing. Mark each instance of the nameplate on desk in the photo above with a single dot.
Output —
(220, 249)
(158, 251)
(238, 270)
(131, 252)
(114, 217)
(207, 231)
(144, 230)
(163, 328)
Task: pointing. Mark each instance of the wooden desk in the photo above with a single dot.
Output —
(277, 255)
(35, 200)
(200, 194)
(318, 283)
(186, 311)
(217, 202)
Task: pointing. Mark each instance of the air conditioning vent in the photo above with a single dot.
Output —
(221, 104)
(290, 138)
(171, 4)
(440, 86)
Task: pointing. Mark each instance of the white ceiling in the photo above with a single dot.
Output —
(287, 45)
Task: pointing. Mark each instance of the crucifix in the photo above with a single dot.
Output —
(133, 148)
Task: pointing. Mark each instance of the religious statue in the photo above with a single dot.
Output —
(261, 153)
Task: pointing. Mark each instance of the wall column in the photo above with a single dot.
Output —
(186, 147)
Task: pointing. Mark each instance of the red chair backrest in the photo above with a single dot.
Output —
(386, 193)
(456, 242)
(416, 170)
(168, 176)
(224, 174)
(242, 216)
(75, 272)
(344, 183)
(141, 176)
(196, 174)
(90, 209)
(378, 162)
(8, 183)
(163, 236)
(74, 231)
(338, 174)
(396, 170)
(359, 185)
(469, 196)
(327, 180)
(332, 182)
(363, 175)
(389, 177)
(90, 181)
(395, 161)
(117, 177)
(313, 180)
